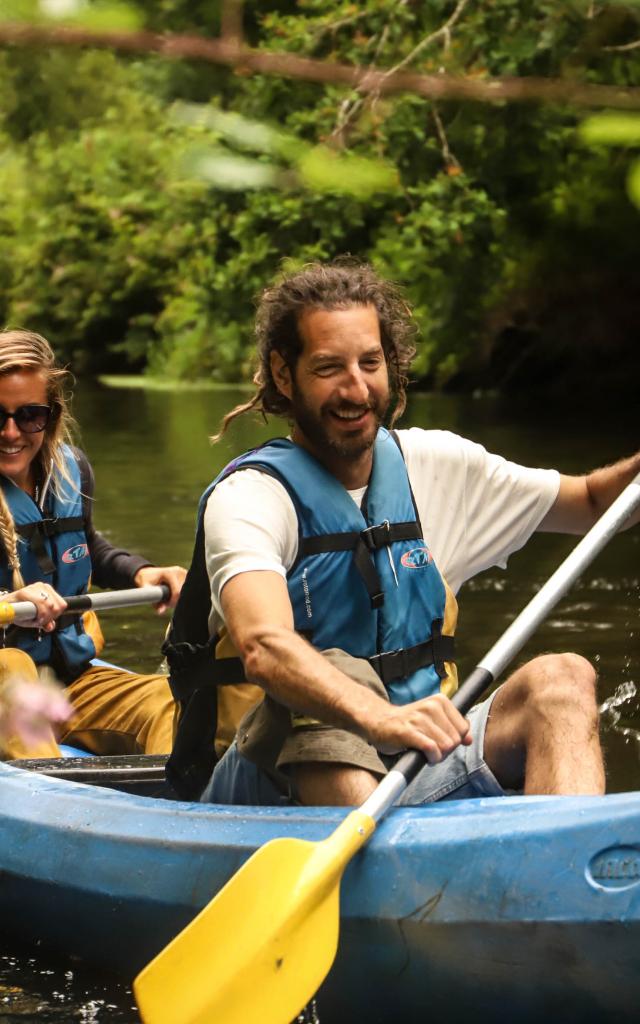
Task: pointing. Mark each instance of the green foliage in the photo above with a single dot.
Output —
(317, 168)
(612, 130)
(616, 130)
(136, 227)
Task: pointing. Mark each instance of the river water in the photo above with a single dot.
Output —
(152, 458)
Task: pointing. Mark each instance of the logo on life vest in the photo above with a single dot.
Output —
(75, 553)
(417, 558)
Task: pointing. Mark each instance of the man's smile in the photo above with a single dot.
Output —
(350, 415)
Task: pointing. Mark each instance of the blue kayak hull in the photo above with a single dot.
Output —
(518, 908)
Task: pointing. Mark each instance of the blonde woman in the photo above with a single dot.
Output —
(49, 547)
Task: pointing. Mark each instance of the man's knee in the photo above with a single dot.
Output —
(554, 682)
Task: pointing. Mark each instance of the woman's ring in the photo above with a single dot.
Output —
(44, 595)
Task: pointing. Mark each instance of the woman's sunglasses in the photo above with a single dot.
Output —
(31, 419)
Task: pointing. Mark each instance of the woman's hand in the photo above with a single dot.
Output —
(153, 575)
(49, 604)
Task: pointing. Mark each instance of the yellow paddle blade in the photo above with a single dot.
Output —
(261, 949)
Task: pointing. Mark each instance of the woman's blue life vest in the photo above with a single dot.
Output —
(52, 548)
(364, 580)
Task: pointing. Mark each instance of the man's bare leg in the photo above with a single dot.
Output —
(333, 785)
(542, 734)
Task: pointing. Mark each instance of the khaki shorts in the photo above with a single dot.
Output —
(463, 774)
(275, 738)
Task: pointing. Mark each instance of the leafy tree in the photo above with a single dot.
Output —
(134, 229)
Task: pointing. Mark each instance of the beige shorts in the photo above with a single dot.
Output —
(256, 770)
(275, 738)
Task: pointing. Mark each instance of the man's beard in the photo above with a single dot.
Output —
(317, 427)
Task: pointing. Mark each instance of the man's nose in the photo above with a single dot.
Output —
(355, 387)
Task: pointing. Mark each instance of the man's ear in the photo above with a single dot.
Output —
(281, 374)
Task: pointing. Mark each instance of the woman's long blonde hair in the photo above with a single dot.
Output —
(25, 350)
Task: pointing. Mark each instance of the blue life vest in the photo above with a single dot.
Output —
(52, 547)
(364, 580)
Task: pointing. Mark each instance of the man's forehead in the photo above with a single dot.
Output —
(319, 326)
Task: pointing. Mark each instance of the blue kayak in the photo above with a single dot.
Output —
(502, 909)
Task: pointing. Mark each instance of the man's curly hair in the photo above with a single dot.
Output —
(328, 286)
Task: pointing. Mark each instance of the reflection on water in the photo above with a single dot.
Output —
(37, 988)
(153, 460)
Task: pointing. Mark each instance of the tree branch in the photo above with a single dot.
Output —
(443, 32)
(624, 48)
(288, 65)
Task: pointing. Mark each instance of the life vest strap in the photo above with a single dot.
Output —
(51, 527)
(363, 545)
(369, 573)
(195, 667)
(404, 662)
(36, 532)
(374, 538)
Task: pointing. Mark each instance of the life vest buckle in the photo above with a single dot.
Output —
(376, 537)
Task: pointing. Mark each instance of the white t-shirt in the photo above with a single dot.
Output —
(475, 508)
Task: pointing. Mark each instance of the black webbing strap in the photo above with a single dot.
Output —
(404, 662)
(374, 538)
(36, 532)
(363, 545)
(195, 667)
(51, 527)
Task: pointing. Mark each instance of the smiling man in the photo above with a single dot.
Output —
(325, 570)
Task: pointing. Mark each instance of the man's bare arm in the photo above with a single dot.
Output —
(259, 617)
(582, 499)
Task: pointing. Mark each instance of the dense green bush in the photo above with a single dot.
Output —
(111, 245)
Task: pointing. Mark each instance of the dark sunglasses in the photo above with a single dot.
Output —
(31, 419)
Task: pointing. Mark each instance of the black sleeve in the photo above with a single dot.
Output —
(111, 568)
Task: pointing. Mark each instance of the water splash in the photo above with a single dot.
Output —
(611, 715)
(622, 694)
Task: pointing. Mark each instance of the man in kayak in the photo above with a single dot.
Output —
(330, 561)
(50, 548)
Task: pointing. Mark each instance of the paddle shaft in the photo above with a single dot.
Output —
(513, 639)
(26, 611)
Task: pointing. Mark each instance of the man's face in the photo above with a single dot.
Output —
(339, 392)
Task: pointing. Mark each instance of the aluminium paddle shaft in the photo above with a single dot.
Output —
(513, 639)
(26, 611)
